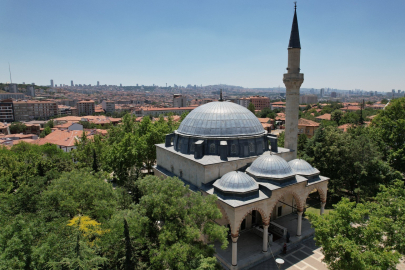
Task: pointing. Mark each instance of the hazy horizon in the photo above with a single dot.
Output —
(345, 45)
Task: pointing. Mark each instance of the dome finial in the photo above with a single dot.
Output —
(295, 5)
(220, 96)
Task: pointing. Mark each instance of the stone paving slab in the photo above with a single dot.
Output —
(306, 256)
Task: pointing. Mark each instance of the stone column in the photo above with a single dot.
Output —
(234, 250)
(322, 207)
(265, 237)
(299, 223)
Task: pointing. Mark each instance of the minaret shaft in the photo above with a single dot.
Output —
(293, 80)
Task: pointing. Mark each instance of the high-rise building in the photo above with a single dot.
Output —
(322, 92)
(333, 94)
(12, 88)
(120, 84)
(98, 83)
(52, 83)
(71, 83)
(31, 90)
(293, 80)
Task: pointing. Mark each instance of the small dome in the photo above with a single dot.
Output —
(301, 167)
(270, 166)
(221, 119)
(236, 182)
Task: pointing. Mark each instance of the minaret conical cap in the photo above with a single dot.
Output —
(295, 35)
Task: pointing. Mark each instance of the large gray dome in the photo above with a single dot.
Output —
(270, 167)
(221, 119)
(236, 182)
(301, 167)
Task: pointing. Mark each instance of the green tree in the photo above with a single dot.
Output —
(47, 130)
(281, 139)
(17, 127)
(302, 144)
(251, 107)
(390, 126)
(352, 160)
(384, 101)
(336, 116)
(184, 217)
(364, 236)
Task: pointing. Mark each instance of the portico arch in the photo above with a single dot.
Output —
(300, 205)
(265, 218)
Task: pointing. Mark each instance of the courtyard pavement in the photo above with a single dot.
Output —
(306, 256)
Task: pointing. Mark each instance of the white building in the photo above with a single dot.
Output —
(108, 106)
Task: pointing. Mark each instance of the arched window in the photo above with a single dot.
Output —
(233, 149)
(251, 147)
(212, 148)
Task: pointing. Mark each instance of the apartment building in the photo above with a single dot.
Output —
(108, 106)
(85, 107)
(28, 110)
(308, 99)
(260, 102)
(12, 95)
(6, 111)
(179, 101)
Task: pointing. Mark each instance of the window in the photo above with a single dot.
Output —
(251, 147)
(181, 174)
(233, 149)
(307, 131)
(212, 148)
(172, 168)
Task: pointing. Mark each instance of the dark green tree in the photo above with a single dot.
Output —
(17, 127)
(252, 108)
(364, 236)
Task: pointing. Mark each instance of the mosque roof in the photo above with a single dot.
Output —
(221, 119)
(301, 167)
(236, 182)
(270, 167)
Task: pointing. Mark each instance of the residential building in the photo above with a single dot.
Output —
(179, 101)
(108, 106)
(85, 107)
(12, 95)
(31, 90)
(12, 88)
(307, 127)
(30, 110)
(260, 102)
(308, 99)
(6, 111)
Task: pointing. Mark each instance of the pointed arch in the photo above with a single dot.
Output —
(300, 204)
(322, 192)
(265, 218)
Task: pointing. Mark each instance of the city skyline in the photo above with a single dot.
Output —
(350, 46)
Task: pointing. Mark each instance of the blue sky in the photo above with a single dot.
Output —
(345, 44)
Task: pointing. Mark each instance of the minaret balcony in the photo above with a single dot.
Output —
(293, 77)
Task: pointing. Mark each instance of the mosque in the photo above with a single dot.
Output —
(221, 148)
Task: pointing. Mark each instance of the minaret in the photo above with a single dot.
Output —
(293, 80)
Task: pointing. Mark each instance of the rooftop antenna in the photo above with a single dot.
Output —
(9, 69)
